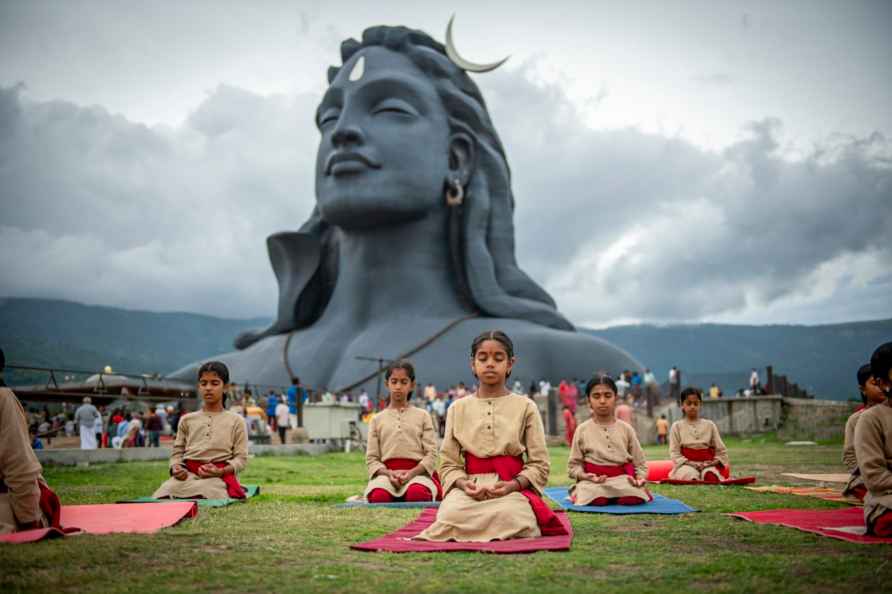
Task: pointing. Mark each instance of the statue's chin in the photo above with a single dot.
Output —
(361, 213)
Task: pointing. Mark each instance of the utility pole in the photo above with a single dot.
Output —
(380, 361)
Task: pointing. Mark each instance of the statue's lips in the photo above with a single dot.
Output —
(342, 162)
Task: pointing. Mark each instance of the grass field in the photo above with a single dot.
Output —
(292, 538)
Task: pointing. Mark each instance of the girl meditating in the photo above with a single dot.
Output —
(871, 394)
(873, 448)
(402, 446)
(695, 446)
(211, 445)
(493, 459)
(606, 459)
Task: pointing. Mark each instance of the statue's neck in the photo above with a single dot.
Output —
(397, 271)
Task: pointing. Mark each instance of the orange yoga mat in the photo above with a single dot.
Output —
(110, 518)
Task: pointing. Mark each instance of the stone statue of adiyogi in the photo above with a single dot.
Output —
(412, 236)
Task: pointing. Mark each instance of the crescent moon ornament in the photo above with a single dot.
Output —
(461, 62)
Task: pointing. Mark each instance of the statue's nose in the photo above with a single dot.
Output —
(347, 134)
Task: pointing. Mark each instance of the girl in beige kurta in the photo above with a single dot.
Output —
(606, 459)
(493, 459)
(26, 501)
(211, 446)
(402, 445)
(873, 447)
(695, 445)
(870, 396)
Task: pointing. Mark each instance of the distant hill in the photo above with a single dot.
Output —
(43, 332)
(823, 359)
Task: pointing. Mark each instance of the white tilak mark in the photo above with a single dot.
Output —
(358, 70)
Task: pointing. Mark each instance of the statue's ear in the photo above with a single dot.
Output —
(462, 156)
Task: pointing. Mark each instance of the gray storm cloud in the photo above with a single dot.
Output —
(617, 224)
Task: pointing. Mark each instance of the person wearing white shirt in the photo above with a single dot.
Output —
(622, 387)
(754, 381)
(86, 416)
(649, 377)
(282, 421)
(438, 407)
(364, 401)
(544, 387)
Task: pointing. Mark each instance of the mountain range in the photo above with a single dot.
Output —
(823, 358)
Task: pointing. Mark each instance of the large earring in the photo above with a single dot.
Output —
(455, 193)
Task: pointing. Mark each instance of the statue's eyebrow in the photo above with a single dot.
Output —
(393, 84)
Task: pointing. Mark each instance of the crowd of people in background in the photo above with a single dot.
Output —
(274, 412)
(133, 425)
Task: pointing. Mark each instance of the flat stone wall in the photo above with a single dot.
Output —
(806, 419)
(744, 416)
(75, 456)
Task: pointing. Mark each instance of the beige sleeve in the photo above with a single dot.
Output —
(576, 462)
(639, 460)
(239, 446)
(452, 466)
(848, 446)
(871, 454)
(179, 444)
(373, 449)
(429, 445)
(721, 452)
(675, 446)
(21, 468)
(537, 463)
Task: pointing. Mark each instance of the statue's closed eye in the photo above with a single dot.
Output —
(394, 106)
(329, 116)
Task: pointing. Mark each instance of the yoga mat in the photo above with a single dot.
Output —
(835, 477)
(251, 490)
(399, 541)
(743, 480)
(110, 518)
(843, 524)
(658, 470)
(26, 536)
(659, 505)
(825, 493)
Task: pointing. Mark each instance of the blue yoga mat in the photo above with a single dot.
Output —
(396, 504)
(660, 505)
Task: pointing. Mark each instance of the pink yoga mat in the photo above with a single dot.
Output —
(844, 524)
(109, 518)
(398, 542)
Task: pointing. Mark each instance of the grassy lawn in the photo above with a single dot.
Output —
(292, 538)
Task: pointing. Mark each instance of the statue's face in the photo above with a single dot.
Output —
(383, 154)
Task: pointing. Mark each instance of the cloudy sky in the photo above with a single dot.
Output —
(679, 161)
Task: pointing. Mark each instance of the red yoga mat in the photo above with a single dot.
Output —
(109, 518)
(658, 472)
(843, 524)
(398, 542)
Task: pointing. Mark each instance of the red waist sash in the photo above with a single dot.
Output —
(699, 455)
(49, 504)
(508, 467)
(233, 488)
(407, 464)
(612, 470)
